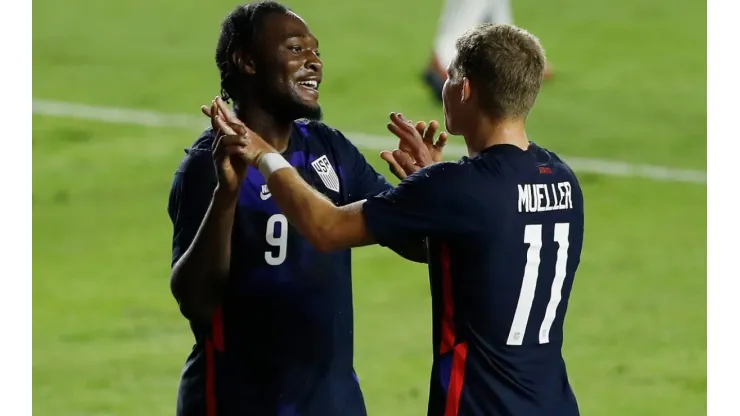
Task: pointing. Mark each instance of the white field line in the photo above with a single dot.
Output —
(361, 140)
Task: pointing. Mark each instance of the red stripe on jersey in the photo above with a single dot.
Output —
(216, 343)
(217, 328)
(210, 380)
(454, 389)
(448, 326)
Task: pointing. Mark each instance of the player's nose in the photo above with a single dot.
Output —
(314, 63)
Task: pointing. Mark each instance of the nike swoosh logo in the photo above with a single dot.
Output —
(265, 195)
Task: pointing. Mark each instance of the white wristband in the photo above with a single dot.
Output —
(271, 163)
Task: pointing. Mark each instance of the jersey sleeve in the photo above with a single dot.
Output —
(360, 178)
(433, 202)
(190, 196)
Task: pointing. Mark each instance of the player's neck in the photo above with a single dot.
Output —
(276, 133)
(494, 132)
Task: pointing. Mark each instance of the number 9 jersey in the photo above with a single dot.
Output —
(282, 340)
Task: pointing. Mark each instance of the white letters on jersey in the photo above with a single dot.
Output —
(326, 173)
(541, 197)
(533, 237)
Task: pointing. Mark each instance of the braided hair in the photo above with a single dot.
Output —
(240, 31)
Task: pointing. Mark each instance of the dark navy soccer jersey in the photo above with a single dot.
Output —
(281, 344)
(505, 231)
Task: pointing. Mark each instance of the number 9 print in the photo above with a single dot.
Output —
(276, 236)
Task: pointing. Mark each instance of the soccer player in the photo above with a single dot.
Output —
(271, 315)
(504, 228)
(457, 17)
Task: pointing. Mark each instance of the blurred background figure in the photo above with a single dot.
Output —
(457, 17)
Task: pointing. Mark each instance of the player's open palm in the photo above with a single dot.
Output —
(417, 147)
(229, 148)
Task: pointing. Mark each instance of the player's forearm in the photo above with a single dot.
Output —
(200, 274)
(310, 212)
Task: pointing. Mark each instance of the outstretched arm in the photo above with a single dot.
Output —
(362, 181)
(426, 204)
(421, 206)
(326, 226)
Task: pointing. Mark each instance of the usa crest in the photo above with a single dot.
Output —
(326, 173)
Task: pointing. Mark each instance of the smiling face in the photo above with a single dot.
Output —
(288, 69)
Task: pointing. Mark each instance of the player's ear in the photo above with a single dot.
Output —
(244, 62)
(465, 90)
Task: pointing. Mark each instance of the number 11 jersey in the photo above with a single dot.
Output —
(282, 341)
(505, 231)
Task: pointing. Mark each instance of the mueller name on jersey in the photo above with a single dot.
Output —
(545, 197)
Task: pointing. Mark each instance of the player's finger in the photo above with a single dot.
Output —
(214, 112)
(404, 146)
(405, 161)
(222, 107)
(216, 145)
(215, 109)
(408, 140)
(222, 125)
(441, 141)
(222, 143)
(218, 124)
(234, 149)
(205, 110)
(430, 132)
(411, 142)
(412, 145)
(392, 164)
(421, 127)
(225, 111)
(406, 143)
(403, 124)
(238, 128)
(231, 140)
(405, 120)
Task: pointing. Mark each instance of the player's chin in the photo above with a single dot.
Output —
(309, 96)
(449, 126)
(451, 122)
(309, 110)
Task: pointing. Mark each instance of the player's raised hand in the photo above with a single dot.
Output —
(416, 148)
(229, 148)
(222, 120)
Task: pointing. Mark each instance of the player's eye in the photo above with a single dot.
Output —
(296, 49)
(318, 54)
